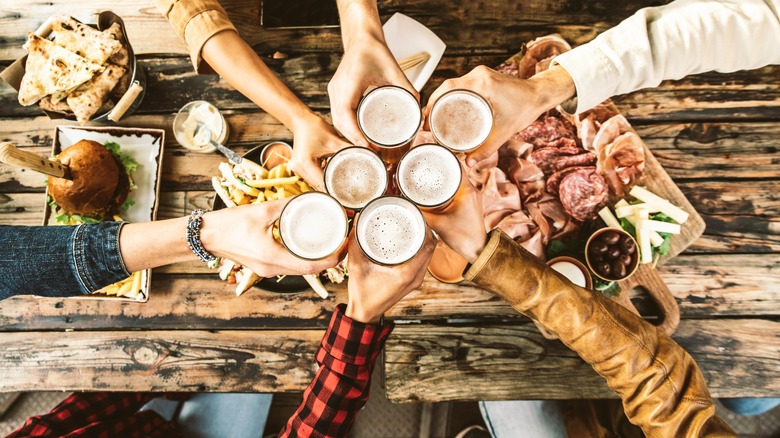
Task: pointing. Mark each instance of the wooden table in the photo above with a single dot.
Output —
(717, 135)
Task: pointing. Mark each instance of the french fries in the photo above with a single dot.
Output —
(130, 287)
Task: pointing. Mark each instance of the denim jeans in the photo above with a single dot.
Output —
(59, 261)
(750, 406)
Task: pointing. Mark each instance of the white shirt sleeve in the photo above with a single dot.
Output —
(670, 42)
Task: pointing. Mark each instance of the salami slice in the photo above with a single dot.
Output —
(554, 181)
(551, 160)
(548, 129)
(582, 193)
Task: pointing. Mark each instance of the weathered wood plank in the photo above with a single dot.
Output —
(704, 286)
(218, 361)
(708, 97)
(497, 25)
(738, 357)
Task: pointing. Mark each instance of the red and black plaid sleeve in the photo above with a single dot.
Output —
(99, 414)
(340, 388)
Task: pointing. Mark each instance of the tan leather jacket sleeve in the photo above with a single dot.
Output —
(662, 388)
(195, 21)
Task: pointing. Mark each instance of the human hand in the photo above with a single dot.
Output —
(366, 63)
(516, 103)
(461, 225)
(244, 235)
(373, 288)
(313, 140)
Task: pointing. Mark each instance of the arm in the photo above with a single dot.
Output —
(61, 261)
(670, 42)
(215, 45)
(662, 388)
(352, 343)
(367, 62)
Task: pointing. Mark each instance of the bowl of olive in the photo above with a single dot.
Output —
(612, 254)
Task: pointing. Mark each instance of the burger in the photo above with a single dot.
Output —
(97, 184)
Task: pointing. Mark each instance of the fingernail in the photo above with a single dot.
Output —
(471, 162)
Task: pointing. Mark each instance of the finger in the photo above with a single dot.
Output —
(449, 84)
(311, 172)
(343, 106)
(287, 263)
(482, 153)
(273, 209)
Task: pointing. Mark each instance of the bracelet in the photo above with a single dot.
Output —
(193, 237)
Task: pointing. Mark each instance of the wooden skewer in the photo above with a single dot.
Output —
(14, 156)
(413, 61)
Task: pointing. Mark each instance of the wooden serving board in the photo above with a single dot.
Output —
(659, 182)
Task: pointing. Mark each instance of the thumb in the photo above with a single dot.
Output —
(273, 209)
(481, 153)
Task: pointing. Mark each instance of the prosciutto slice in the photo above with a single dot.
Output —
(500, 198)
(621, 155)
(540, 52)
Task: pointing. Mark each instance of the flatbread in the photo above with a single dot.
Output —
(121, 57)
(51, 69)
(85, 40)
(46, 104)
(86, 100)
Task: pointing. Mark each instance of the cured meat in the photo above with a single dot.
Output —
(582, 193)
(541, 50)
(546, 130)
(500, 198)
(554, 181)
(535, 246)
(621, 155)
(552, 219)
(518, 226)
(509, 69)
(479, 173)
(589, 122)
(551, 160)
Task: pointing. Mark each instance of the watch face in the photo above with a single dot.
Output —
(299, 13)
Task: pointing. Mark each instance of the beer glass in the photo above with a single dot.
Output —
(389, 117)
(355, 176)
(461, 120)
(390, 230)
(429, 175)
(313, 226)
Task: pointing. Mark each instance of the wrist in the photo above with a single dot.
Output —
(358, 313)
(473, 247)
(552, 87)
(360, 23)
(210, 233)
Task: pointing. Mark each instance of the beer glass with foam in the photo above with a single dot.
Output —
(390, 230)
(313, 226)
(389, 117)
(355, 176)
(429, 175)
(461, 120)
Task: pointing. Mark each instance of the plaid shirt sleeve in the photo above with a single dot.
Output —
(99, 414)
(340, 388)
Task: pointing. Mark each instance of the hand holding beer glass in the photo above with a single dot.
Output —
(375, 288)
(515, 103)
(389, 117)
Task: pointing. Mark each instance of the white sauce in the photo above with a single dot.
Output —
(570, 271)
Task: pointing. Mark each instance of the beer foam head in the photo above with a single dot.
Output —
(429, 175)
(461, 120)
(390, 230)
(313, 225)
(389, 116)
(355, 176)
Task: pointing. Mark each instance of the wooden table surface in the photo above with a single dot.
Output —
(717, 136)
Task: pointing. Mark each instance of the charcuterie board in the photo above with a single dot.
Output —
(536, 57)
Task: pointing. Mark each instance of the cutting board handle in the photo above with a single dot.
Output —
(647, 278)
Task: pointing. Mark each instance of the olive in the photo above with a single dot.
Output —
(597, 247)
(613, 252)
(610, 237)
(618, 269)
(604, 269)
(626, 259)
(627, 245)
(595, 258)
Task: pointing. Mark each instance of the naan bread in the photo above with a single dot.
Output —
(85, 40)
(86, 100)
(47, 104)
(121, 57)
(50, 69)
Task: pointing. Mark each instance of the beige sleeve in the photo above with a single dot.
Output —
(195, 21)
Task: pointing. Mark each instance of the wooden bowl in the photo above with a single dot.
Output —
(566, 259)
(629, 269)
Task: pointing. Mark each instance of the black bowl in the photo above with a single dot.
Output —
(288, 284)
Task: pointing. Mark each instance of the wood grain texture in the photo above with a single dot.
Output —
(705, 286)
(435, 363)
(216, 361)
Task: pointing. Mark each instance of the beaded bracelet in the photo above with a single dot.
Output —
(193, 237)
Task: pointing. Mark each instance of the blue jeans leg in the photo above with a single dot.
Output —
(750, 406)
(211, 415)
(523, 419)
